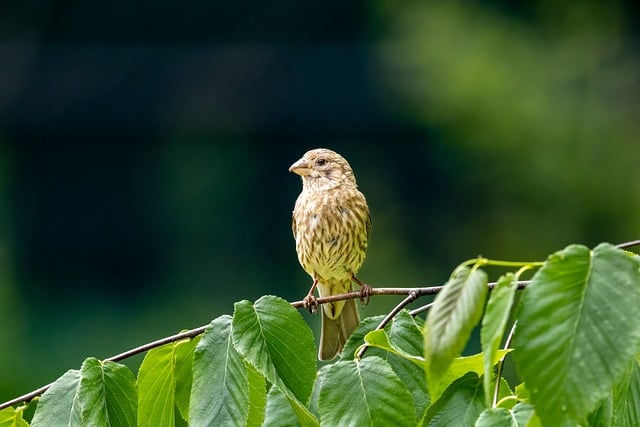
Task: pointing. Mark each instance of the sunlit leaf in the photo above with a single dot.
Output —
(257, 396)
(456, 311)
(272, 336)
(164, 381)
(578, 330)
(156, 388)
(10, 417)
(458, 368)
(184, 374)
(494, 323)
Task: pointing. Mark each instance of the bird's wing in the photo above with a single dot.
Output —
(293, 226)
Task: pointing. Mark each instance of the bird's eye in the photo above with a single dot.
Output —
(321, 161)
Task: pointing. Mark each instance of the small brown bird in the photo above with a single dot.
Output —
(331, 225)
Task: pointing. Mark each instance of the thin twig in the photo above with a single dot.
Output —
(628, 244)
(422, 309)
(507, 344)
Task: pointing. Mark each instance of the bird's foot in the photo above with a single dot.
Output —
(365, 291)
(310, 303)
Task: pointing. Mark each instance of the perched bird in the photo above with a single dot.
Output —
(331, 225)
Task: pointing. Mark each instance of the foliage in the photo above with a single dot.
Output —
(576, 348)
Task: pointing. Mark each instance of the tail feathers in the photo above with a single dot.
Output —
(335, 332)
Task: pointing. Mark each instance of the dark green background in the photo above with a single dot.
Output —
(144, 149)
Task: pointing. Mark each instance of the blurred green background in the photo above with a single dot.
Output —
(144, 150)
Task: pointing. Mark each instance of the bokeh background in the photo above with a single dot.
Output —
(144, 149)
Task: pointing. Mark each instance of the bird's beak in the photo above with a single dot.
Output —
(301, 167)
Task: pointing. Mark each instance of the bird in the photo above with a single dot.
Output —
(331, 225)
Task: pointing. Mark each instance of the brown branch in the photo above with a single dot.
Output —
(431, 290)
(630, 244)
(413, 294)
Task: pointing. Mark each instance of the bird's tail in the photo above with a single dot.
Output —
(335, 332)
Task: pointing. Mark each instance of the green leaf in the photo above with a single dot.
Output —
(10, 417)
(456, 311)
(220, 393)
(364, 393)
(380, 339)
(578, 330)
(59, 404)
(519, 416)
(460, 404)
(158, 382)
(494, 323)
(257, 396)
(603, 415)
(184, 374)
(496, 417)
(458, 368)
(279, 412)
(107, 394)
(525, 415)
(272, 336)
(626, 400)
(402, 340)
(156, 388)
(357, 338)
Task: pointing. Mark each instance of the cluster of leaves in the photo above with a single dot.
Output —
(576, 348)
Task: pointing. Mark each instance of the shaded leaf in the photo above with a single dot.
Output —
(107, 394)
(578, 330)
(220, 390)
(59, 404)
(496, 417)
(365, 393)
(460, 404)
(357, 338)
(402, 339)
(519, 416)
(455, 312)
(279, 412)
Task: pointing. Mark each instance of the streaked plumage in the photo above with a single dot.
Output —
(331, 225)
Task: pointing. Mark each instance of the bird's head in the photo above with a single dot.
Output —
(323, 168)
